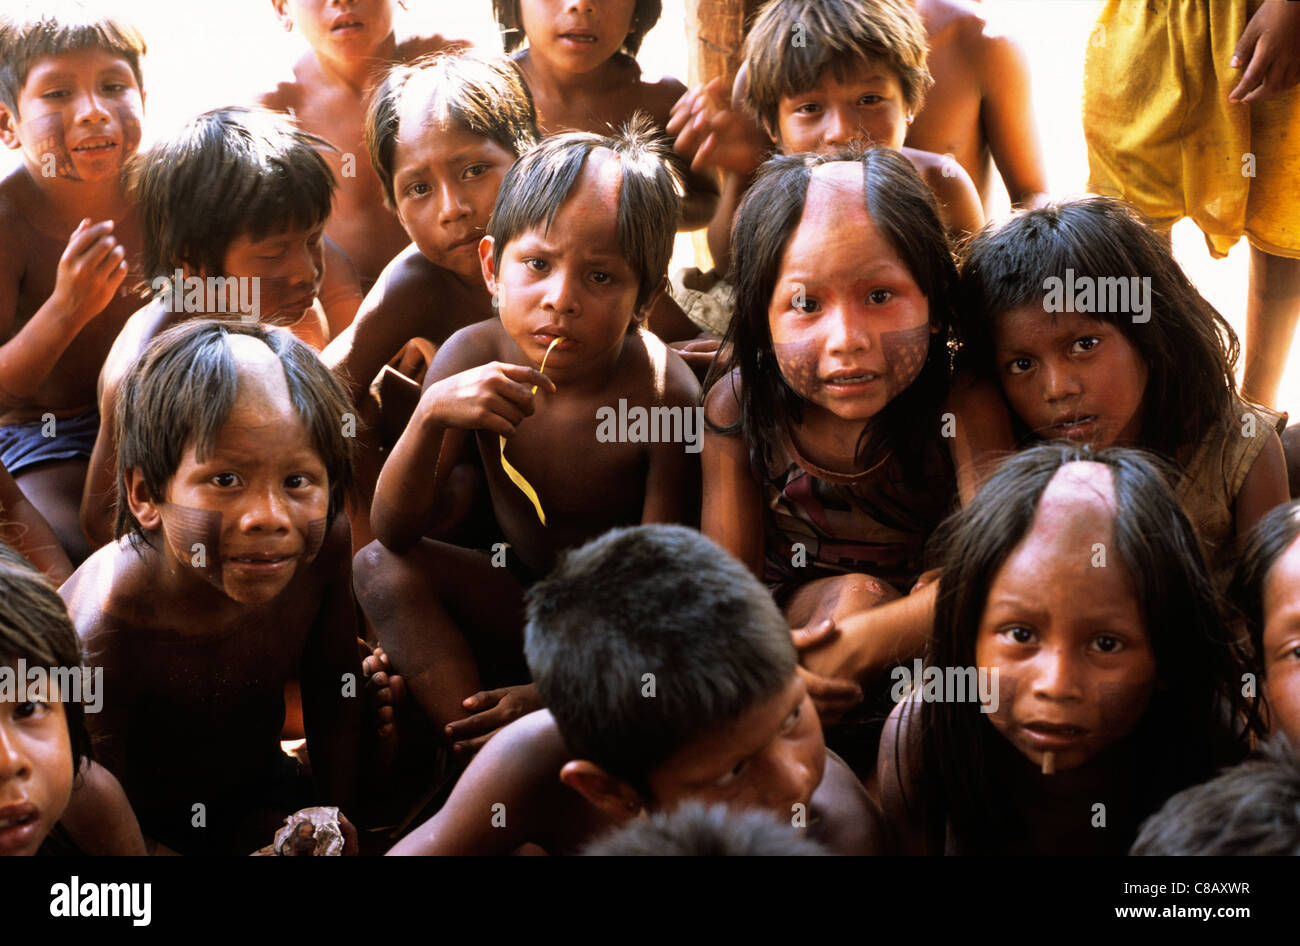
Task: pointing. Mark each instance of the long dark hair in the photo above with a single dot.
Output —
(1189, 349)
(903, 209)
(1185, 734)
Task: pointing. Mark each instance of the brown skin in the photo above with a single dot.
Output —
(327, 95)
(65, 245)
(980, 104)
(159, 625)
(480, 382)
(561, 803)
(25, 530)
(99, 818)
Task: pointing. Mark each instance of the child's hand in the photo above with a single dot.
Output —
(90, 270)
(491, 710)
(385, 690)
(697, 352)
(832, 697)
(1269, 51)
(493, 397)
(710, 134)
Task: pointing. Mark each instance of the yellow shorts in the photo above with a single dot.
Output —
(1162, 134)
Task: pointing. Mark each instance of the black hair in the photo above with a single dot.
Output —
(1275, 532)
(793, 41)
(484, 96)
(511, 23)
(227, 173)
(1251, 809)
(903, 210)
(1189, 349)
(181, 390)
(1183, 736)
(651, 600)
(693, 829)
(649, 200)
(35, 627)
(56, 27)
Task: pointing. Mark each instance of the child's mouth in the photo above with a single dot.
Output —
(18, 826)
(1075, 428)
(261, 565)
(546, 337)
(849, 381)
(96, 147)
(347, 26)
(1052, 736)
(580, 39)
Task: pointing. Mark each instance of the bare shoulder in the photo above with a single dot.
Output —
(670, 379)
(99, 817)
(851, 822)
(111, 584)
(16, 213)
(657, 96)
(963, 21)
(722, 403)
(140, 328)
(470, 347)
(946, 178)
(898, 766)
(415, 45)
(289, 90)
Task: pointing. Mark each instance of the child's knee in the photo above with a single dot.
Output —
(859, 592)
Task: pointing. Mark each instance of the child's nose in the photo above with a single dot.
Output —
(91, 108)
(265, 511)
(845, 332)
(792, 779)
(841, 128)
(1056, 678)
(13, 761)
(1059, 382)
(452, 206)
(561, 296)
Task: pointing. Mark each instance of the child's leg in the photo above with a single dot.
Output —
(55, 488)
(423, 603)
(1272, 307)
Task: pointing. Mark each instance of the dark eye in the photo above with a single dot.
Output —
(225, 480)
(1087, 343)
(794, 716)
(296, 481)
(1021, 635)
(27, 709)
(1019, 366)
(1107, 644)
(601, 279)
(535, 264)
(475, 170)
(880, 296)
(809, 108)
(418, 189)
(870, 99)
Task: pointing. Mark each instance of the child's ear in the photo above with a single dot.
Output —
(9, 128)
(612, 795)
(143, 506)
(282, 13)
(486, 246)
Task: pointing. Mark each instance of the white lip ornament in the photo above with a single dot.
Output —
(515, 476)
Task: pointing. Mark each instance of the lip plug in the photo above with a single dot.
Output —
(1049, 763)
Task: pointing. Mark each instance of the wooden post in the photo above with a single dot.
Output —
(715, 31)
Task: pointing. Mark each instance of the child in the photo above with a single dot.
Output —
(581, 70)
(1265, 590)
(54, 799)
(71, 100)
(1072, 584)
(820, 76)
(823, 463)
(327, 95)
(696, 830)
(25, 530)
(668, 676)
(441, 133)
(1252, 809)
(236, 201)
(1190, 110)
(578, 240)
(230, 575)
(1094, 334)
(980, 106)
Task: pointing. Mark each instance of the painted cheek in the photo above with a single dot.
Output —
(130, 122)
(1120, 706)
(195, 538)
(315, 538)
(49, 139)
(798, 362)
(904, 351)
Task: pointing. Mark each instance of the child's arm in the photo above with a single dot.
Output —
(732, 508)
(27, 532)
(504, 799)
(880, 637)
(340, 289)
(672, 485)
(959, 201)
(99, 496)
(99, 818)
(896, 763)
(1268, 52)
(457, 397)
(331, 716)
(981, 436)
(713, 134)
(90, 271)
(1007, 116)
(1265, 485)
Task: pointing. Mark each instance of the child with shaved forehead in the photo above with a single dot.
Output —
(231, 574)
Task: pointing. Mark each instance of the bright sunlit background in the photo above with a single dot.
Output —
(203, 55)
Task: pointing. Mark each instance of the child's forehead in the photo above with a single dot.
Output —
(1078, 501)
(851, 70)
(592, 202)
(76, 61)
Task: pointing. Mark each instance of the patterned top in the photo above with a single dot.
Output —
(821, 523)
(1214, 476)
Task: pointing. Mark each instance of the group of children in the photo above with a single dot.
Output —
(336, 457)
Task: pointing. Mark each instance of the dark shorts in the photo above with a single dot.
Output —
(60, 438)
